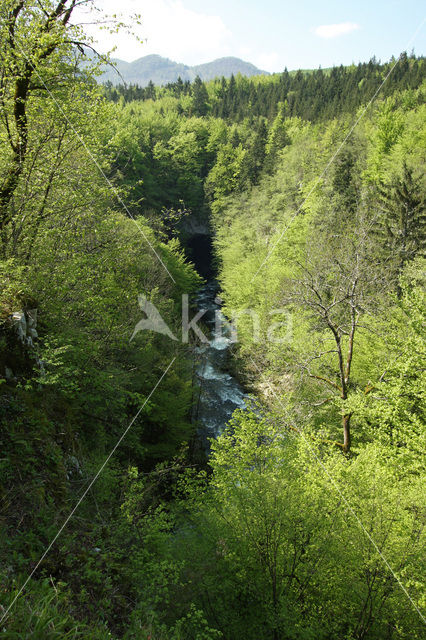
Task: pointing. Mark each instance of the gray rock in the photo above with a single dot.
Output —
(32, 318)
(20, 323)
(8, 373)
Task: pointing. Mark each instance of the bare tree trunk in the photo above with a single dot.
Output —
(22, 90)
(346, 432)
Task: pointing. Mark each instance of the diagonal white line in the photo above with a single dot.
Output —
(330, 477)
(95, 162)
(330, 162)
(343, 497)
(86, 491)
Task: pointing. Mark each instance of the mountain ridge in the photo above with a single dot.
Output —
(159, 70)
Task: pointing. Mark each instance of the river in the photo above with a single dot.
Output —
(219, 393)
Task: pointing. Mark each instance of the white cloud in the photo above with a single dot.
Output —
(267, 61)
(169, 29)
(335, 30)
(244, 52)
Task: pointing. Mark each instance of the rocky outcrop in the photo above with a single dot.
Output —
(25, 324)
(20, 355)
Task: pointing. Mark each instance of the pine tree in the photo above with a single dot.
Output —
(278, 137)
(343, 182)
(403, 221)
(200, 96)
(150, 91)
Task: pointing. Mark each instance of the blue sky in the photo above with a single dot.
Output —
(272, 34)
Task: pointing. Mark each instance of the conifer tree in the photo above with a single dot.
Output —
(403, 222)
(200, 96)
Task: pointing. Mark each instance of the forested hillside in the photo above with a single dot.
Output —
(306, 521)
(160, 71)
(311, 95)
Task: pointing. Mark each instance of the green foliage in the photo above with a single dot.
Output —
(42, 612)
(403, 220)
(312, 95)
(391, 409)
(283, 536)
(12, 289)
(200, 98)
(294, 540)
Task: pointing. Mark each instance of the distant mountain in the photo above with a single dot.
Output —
(226, 67)
(162, 70)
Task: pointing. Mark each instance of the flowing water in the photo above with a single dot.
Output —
(219, 392)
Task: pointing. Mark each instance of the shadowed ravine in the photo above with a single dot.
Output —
(219, 393)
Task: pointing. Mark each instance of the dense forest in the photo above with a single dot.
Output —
(311, 95)
(306, 518)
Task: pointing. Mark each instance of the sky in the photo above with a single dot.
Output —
(272, 34)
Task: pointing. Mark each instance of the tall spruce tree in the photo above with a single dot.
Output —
(402, 222)
(200, 97)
